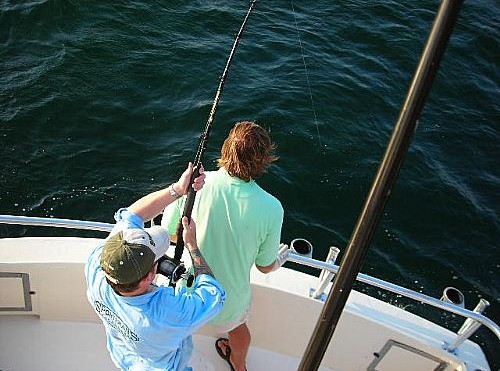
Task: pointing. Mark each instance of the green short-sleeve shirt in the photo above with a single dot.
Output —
(237, 224)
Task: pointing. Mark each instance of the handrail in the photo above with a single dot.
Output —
(55, 222)
(410, 294)
(293, 257)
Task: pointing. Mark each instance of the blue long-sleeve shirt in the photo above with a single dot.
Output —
(150, 331)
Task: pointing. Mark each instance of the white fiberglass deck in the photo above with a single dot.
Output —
(28, 344)
(61, 332)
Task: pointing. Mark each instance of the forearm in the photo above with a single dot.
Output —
(268, 268)
(199, 263)
(152, 204)
(282, 257)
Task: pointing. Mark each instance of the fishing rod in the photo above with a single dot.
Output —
(188, 206)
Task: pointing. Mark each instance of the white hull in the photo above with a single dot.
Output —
(61, 331)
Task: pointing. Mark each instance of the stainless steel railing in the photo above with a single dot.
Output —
(473, 318)
(419, 297)
(55, 222)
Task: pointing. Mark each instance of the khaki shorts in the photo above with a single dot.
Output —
(228, 326)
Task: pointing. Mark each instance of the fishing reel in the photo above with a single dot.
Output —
(171, 268)
(174, 270)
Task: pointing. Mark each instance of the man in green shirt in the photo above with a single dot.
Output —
(238, 225)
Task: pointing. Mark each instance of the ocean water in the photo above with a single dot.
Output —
(102, 102)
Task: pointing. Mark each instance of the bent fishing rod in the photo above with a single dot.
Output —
(188, 206)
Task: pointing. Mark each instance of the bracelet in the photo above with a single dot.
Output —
(173, 192)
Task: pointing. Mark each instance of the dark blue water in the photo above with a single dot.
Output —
(103, 102)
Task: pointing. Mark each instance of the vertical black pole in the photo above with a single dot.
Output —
(382, 185)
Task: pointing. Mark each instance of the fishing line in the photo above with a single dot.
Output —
(188, 207)
(307, 75)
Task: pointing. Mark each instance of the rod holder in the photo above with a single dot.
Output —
(480, 307)
(326, 276)
(301, 247)
(468, 328)
(453, 296)
(333, 253)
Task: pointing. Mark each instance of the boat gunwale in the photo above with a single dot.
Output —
(293, 257)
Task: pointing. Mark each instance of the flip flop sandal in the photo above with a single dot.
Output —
(225, 356)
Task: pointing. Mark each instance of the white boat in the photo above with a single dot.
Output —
(46, 322)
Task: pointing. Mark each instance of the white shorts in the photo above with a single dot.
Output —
(224, 328)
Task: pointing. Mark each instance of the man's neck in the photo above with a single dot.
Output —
(139, 291)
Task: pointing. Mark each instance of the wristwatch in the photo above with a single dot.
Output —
(173, 192)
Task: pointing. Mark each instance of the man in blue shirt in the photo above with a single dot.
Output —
(149, 327)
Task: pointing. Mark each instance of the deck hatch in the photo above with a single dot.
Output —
(395, 355)
(15, 292)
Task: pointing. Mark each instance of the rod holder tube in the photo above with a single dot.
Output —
(480, 307)
(463, 336)
(333, 253)
(322, 285)
(301, 247)
(326, 276)
(453, 296)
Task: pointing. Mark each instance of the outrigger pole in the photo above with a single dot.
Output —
(382, 184)
(188, 206)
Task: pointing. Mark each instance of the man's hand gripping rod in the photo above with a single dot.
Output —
(188, 206)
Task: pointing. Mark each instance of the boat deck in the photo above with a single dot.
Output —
(28, 343)
(46, 322)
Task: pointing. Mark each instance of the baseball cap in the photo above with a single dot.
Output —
(129, 254)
